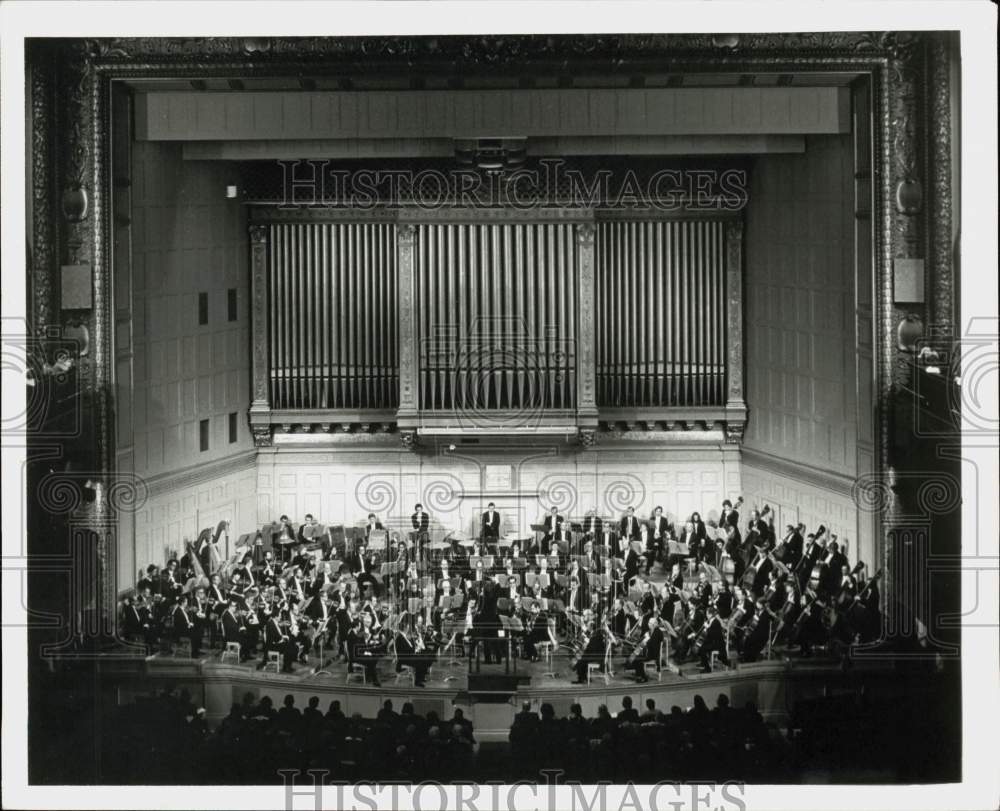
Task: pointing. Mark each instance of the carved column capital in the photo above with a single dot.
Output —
(258, 233)
(405, 234)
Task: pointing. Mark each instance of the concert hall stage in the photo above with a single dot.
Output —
(774, 686)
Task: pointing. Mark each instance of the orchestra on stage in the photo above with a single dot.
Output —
(609, 593)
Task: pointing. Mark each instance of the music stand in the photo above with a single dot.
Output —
(585, 561)
(520, 563)
(508, 627)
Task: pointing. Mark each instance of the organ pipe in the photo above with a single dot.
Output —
(332, 308)
(498, 302)
(660, 317)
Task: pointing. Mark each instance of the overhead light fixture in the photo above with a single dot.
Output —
(491, 154)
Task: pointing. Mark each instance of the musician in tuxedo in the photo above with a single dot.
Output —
(759, 527)
(309, 521)
(593, 653)
(702, 593)
(628, 527)
(514, 580)
(373, 525)
(234, 630)
(835, 561)
(650, 651)
(151, 581)
(660, 532)
(729, 515)
(280, 593)
(136, 624)
(813, 554)
(420, 520)
(714, 640)
(364, 647)
(410, 650)
(758, 632)
(706, 549)
(791, 547)
(490, 522)
(265, 572)
(170, 585)
(553, 532)
(275, 639)
(185, 625)
(285, 538)
(593, 527)
(632, 564)
(744, 607)
(319, 615)
(724, 600)
(648, 553)
(296, 586)
(619, 619)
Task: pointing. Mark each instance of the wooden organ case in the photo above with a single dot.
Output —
(558, 322)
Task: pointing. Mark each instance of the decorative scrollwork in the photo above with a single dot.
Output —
(127, 493)
(872, 493)
(624, 492)
(444, 494)
(60, 493)
(557, 491)
(942, 493)
(376, 493)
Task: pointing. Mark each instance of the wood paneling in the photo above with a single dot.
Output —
(187, 238)
(193, 116)
(452, 487)
(800, 312)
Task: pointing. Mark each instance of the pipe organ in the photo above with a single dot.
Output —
(660, 302)
(497, 311)
(579, 321)
(332, 316)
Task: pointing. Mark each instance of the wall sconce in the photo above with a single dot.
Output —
(909, 331)
(75, 203)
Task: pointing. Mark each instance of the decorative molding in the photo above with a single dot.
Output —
(835, 482)
(264, 214)
(43, 238)
(261, 435)
(458, 53)
(455, 214)
(408, 440)
(939, 159)
(202, 472)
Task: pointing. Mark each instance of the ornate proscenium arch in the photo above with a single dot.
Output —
(71, 85)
